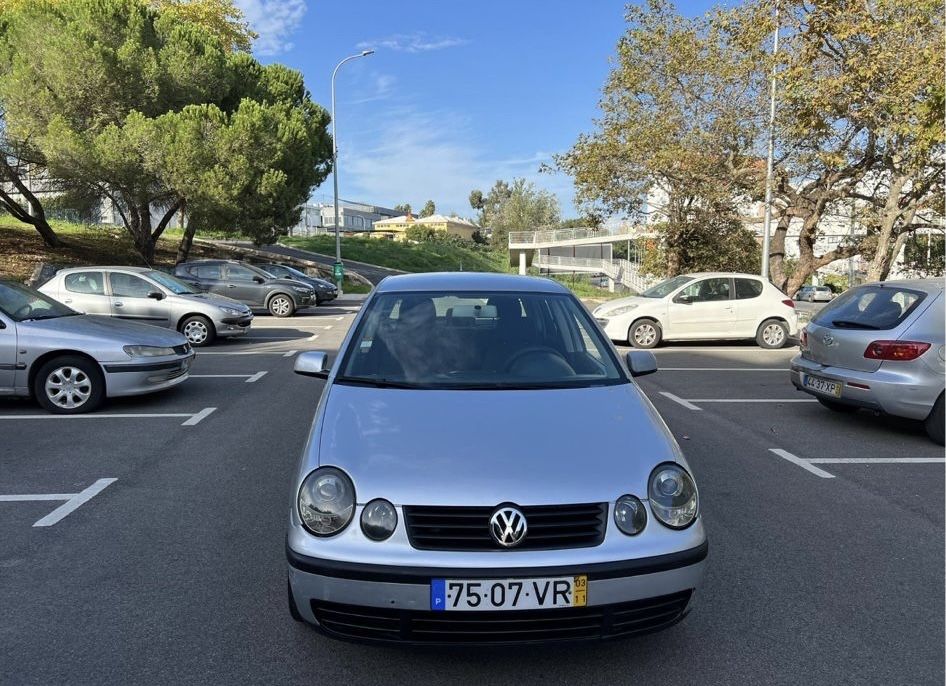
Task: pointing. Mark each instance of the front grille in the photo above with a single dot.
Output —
(522, 626)
(550, 527)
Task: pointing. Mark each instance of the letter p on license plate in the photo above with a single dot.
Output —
(471, 595)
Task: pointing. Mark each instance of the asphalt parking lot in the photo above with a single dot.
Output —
(145, 543)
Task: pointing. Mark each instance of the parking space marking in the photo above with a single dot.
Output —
(192, 418)
(723, 369)
(312, 337)
(804, 464)
(200, 416)
(247, 352)
(296, 326)
(250, 378)
(272, 338)
(753, 400)
(877, 460)
(677, 399)
(290, 353)
(696, 350)
(73, 501)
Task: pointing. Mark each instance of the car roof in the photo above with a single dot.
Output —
(700, 275)
(468, 281)
(928, 285)
(100, 267)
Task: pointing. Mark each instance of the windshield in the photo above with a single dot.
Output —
(665, 288)
(176, 286)
(478, 341)
(24, 304)
(870, 307)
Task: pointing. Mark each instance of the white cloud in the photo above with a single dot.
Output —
(378, 87)
(418, 41)
(413, 156)
(274, 21)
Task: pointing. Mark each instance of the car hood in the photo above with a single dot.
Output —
(529, 447)
(96, 328)
(622, 302)
(214, 299)
(290, 283)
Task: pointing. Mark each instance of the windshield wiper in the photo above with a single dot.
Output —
(375, 383)
(50, 316)
(849, 324)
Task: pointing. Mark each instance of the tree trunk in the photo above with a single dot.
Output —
(777, 273)
(807, 262)
(141, 231)
(892, 215)
(187, 241)
(33, 214)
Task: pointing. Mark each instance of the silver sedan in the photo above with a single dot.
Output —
(70, 362)
(879, 346)
(482, 468)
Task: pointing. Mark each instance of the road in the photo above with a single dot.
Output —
(175, 571)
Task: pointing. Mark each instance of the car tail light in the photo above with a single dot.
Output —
(803, 338)
(790, 303)
(902, 351)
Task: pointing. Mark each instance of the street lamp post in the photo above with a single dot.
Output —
(338, 273)
(767, 223)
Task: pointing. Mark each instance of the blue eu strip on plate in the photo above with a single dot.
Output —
(438, 595)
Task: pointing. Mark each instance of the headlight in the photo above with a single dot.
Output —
(302, 289)
(673, 496)
(147, 351)
(619, 310)
(630, 515)
(231, 311)
(378, 519)
(326, 501)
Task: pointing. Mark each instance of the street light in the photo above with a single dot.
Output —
(767, 223)
(338, 242)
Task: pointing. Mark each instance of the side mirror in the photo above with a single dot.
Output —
(640, 362)
(259, 279)
(314, 364)
(684, 299)
(156, 295)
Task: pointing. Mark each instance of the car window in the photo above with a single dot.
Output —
(20, 304)
(707, 290)
(870, 307)
(275, 270)
(747, 289)
(479, 340)
(238, 273)
(129, 286)
(90, 283)
(207, 271)
(665, 288)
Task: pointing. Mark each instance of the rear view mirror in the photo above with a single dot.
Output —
(684, 299)
(259, 279)
(156, 295)
(641, 362)
(312, 364)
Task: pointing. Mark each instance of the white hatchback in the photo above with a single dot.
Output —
(704, 306)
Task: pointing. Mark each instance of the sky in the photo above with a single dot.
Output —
(456, 96)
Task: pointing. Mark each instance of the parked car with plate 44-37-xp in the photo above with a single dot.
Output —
(70, 362)
(483, 468)
(879, 346)
(150, 297)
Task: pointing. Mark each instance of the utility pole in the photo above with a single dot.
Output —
(767, 223)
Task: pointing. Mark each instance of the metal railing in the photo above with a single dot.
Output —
(532, 238)
(622, 271)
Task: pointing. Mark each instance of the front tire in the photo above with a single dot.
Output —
(772, 334)
(934, 423)
(281, 305)
(644, 334)
(69, 385)
(198, 330)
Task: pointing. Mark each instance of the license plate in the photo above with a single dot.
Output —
(819, 385)
(471, 595)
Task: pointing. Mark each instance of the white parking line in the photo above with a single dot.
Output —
(296, 326)
(192, 418)
(290, 353)
(272, 338)
(250, 378)
(877, 460)
(804, 464)
(672, 349)
(753, 400)
(687, 404)
(723, 369)
(248, 352)
(73, 501)
(312, 337)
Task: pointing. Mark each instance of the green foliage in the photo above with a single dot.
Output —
(925, 256)
(711, 243)
(518, 206)
(404, 208)
(429, 209)
(418, 233)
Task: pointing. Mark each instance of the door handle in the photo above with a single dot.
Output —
(230, 285)
(67, 301)
(119, 304)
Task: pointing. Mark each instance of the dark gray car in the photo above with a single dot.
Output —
(325, 291)
(248, 284)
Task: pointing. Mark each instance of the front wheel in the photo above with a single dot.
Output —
(934, 423)
(69, 385)
(281, 306)
(644, 333)
(199, 331)
(772, 334)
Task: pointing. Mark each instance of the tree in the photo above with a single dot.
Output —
(429, 209)
(403, 209)
(734, 248)
(518, 206)
(156, 113)
(674, 143)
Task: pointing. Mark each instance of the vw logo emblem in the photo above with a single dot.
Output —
(508, 526)
(828, 340)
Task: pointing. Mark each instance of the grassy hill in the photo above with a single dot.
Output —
(420, 257)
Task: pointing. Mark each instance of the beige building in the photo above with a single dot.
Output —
(397, 227)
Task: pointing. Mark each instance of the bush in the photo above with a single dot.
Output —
(421, 234)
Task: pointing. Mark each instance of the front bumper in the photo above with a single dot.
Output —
(234, 326)
(140, 377)
(326, 296)
(901, 392)
(387, 603)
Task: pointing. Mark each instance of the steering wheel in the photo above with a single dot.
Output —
(535, 350)
(23, 312)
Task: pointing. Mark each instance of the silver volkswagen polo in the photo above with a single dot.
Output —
(483, 469)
